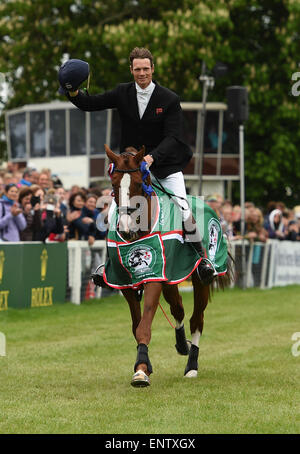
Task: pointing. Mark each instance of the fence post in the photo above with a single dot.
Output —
(2, 344)
(264, 265)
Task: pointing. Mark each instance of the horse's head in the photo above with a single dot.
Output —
(131, 184)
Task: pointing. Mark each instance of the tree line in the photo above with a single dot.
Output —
(258, 40)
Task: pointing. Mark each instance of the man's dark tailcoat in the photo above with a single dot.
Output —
(160, 128)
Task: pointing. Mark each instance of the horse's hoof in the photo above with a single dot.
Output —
(140, 379)
(191, 374)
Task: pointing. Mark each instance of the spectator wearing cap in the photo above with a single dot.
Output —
(214, 202)
(27, 179)
(12, 220)
(56, 181)
(293, 231)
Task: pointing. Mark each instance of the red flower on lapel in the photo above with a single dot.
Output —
(159, 110)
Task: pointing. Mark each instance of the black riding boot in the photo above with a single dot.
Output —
(97, 278)
(205, 270)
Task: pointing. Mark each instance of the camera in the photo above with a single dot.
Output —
(50, 201)
(34, 200)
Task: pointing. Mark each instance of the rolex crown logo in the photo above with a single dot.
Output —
(44, 259)
(2, 260)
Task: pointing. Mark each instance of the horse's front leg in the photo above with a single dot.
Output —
(134, 306)
(142, 367)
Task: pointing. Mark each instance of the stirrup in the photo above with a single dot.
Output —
(206, 271)
(97, 277)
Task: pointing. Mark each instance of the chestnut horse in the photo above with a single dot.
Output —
(129, 179)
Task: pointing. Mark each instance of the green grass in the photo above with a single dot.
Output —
(68, 369)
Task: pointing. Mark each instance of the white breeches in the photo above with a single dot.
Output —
(175, 183)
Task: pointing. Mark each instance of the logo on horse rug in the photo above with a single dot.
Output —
(144, 259)
(213, 238)
(140, 258)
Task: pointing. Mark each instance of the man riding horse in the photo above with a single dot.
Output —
(151, 116)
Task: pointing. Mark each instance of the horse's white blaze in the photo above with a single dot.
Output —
(196, 337)
(124, 202)
(124, 189)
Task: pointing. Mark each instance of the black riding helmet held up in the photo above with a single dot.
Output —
(71, 75)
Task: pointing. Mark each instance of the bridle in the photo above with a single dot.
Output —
(127, 170)
(146, 188)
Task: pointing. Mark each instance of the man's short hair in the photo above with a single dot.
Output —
(27, 172)
(140, 52)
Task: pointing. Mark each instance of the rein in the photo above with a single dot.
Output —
(170, 195)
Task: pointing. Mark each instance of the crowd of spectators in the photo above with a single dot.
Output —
(35, 206)
(275, 221)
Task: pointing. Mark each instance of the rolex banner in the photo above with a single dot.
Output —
(32, 274)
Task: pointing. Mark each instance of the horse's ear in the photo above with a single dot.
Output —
(140, 155)
(112, 156)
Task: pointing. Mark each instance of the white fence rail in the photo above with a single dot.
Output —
(82, 261)
(270, 264)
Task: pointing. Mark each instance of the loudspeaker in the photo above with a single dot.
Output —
(237, 104)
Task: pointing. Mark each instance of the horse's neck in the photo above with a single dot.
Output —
(148, 213)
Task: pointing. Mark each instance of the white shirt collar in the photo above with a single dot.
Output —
(148, 90)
